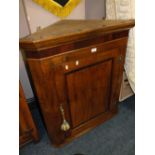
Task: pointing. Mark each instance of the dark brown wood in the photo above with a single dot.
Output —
(79, 67)
(89, 95)
(72, 30)
(27, 129)
(76, 45)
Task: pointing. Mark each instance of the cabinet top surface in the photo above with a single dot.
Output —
(70, 28)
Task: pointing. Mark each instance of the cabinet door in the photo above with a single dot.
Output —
(88, 91)
(87, 83)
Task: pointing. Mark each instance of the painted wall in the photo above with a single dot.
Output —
(95, 9)
(23, 31)
(37, 16)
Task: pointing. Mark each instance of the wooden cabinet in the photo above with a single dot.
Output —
(77, 67)
(27, 129)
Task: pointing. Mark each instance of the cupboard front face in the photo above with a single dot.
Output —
(88, 91)
(85, 82)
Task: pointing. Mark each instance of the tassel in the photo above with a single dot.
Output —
(65, 125)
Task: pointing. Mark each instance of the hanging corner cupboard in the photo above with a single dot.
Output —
(76, 68)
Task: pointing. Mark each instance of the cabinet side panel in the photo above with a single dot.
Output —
(43, 78)
(118, 66)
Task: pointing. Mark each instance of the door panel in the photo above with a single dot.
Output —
(88, 91)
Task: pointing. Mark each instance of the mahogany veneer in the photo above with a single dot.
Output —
(27, 128)
(77, 65)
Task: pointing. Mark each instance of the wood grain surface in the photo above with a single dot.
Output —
(66, 72)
